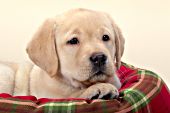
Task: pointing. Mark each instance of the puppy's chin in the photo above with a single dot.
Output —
(88, 82)
(92, 80)
(95, 79)
(87, 77)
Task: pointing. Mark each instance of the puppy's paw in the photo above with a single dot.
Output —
(100, 91)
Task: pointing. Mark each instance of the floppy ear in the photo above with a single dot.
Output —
(42, 48)
(119, 42)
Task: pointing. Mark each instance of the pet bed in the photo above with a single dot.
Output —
(142, 91)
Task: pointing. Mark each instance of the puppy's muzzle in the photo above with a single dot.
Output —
(98, 60)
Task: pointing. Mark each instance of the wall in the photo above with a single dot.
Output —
(144, 23)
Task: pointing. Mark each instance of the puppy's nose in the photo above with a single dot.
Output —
(98, 59)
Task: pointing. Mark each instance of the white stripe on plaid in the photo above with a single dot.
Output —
(57, 104)
(18, 102)
(52, 105)
(51, 108)
(140, 81)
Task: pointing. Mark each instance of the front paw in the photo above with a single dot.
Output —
(100, 91)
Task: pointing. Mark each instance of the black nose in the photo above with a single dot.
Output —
(98, 59)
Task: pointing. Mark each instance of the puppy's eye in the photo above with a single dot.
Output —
(105, 38)
(73, 41)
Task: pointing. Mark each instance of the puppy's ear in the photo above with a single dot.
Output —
(119, 42)
(42, 48)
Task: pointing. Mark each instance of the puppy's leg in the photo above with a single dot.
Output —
(6, 79)
(22, 79)
(100, 91)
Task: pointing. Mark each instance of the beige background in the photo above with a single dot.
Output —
(145, 25)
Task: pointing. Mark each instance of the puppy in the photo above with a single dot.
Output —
(75, 55)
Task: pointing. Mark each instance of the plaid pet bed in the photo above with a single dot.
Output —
(142, 92)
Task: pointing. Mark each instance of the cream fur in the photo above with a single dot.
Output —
(61, 70)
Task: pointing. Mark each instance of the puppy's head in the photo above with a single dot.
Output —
(82, 45)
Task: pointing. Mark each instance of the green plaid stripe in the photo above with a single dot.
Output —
(59, 107)
(136, 98)
(147, 72)
(104, 106)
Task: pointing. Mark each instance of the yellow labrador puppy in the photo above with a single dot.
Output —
(75, 55)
